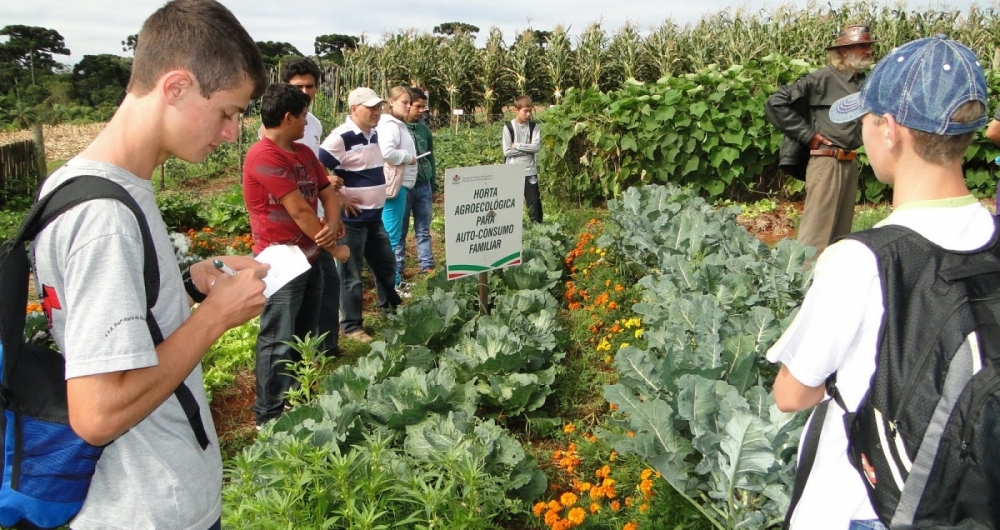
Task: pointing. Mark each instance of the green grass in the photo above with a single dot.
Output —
(868, 216)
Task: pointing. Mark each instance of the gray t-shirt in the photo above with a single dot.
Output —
(528, 140)
(89, 265)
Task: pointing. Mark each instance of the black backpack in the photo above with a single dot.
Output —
(46, 468)
(926, 437)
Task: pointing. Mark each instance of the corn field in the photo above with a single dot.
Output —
(485, 73)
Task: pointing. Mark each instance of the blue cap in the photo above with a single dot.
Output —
(920, 83)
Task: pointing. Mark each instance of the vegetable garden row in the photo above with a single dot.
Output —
(444, 423)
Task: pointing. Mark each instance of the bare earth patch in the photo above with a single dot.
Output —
(62, 142)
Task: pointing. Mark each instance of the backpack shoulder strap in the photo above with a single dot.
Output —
(85, 188)
(531, 129)
(810, 445)
(78, 190)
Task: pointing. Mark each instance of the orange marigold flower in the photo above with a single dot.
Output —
(631, 525)
(554, 506)
(594, 507)
(583, 486)
(628, 501)
(538, 508)
(613, 406)
(615, 506)
(569, 428)
(646, 473)
(568, 499)
(643, 508)
(619, 288)
(603, 472)
(614, 454)
(576, 516)
(630, 434)
(646, 487)
(613, 305)
(551, 517)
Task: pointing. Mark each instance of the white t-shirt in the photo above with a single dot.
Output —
(837, 331)
(89, 264)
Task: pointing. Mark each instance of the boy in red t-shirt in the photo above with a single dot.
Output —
(282, 183)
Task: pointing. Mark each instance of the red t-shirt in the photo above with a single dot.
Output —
(270, 173)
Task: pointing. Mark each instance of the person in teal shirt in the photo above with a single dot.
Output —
(420, 199)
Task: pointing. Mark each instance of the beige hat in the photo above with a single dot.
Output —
(363, 96)
(852, 35)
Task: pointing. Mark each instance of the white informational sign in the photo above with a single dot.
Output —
(458, 112)
(483, 220)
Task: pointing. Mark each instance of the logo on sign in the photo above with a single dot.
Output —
(456, 179)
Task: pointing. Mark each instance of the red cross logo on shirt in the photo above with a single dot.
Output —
(50, 301)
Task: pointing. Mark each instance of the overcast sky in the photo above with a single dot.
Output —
(92, 27)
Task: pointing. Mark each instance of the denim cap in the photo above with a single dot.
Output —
(920, 83)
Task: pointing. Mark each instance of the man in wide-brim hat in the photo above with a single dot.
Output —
(817, 150)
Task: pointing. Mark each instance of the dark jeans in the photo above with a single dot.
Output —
(369, 242)
(291, 312)
(329, 305)
(420, 203)
(532, 198)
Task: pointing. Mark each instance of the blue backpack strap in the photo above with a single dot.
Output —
(85, 188)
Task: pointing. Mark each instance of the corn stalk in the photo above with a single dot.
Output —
(494, 81)
(592, 55)
(559, 62)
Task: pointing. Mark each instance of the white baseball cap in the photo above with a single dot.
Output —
(363, 96)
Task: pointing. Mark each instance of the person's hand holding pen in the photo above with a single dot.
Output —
(235, 291)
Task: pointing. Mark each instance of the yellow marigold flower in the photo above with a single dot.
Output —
(607, 359)
(615, 506)
(646, 473)
(568, 499)
(576, 516)
(584, 486)
(594, 508)
(638, 333)
(631, 525)
(607, 283)
(569, 428)
(614, 454)
(538, 508)
(603, 472)
(624, 345)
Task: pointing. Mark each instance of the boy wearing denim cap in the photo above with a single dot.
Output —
(919, 110)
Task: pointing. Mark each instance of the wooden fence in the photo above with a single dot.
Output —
(18, 171)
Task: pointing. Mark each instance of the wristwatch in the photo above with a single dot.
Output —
(191, 288)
